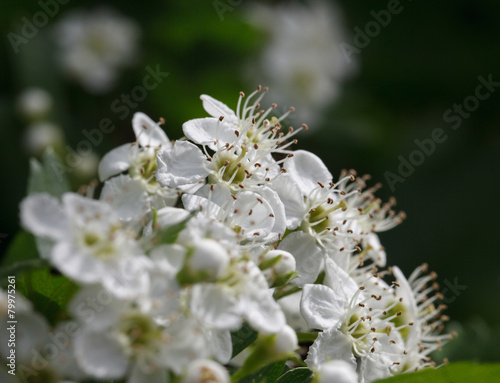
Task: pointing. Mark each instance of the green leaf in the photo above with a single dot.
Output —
(242, 338)
(49, 293)
(296, 375)
(304, 337)
(48, 176)
(21, 267)
(22, 248)
(462, 372)
(268, 374)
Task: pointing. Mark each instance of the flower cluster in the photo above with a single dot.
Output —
(227, 229)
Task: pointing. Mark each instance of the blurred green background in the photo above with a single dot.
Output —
(427, 59)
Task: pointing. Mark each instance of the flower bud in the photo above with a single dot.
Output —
(204, 370)
(286, 341)
(205, 262)
(278, 266)
(283, 265)
(268, 349)
(338, 371)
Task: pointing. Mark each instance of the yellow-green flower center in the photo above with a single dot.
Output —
(400, 320)
(139, 330)
(145, 167)
(231, 168)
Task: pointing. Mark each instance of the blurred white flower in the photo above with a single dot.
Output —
(34, 103)
(302, 61)
(95, 45)
(91, 245)
(88, 166)
(41, 135)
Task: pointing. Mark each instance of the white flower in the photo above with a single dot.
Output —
(91, 245)
(241, 293)
(417, 302)
(38, 352)
(139, 159)
(353, 327)
(126, 340)
(340, 218)
(241, 143)
(257, 215)
(31, 328)
(95, 45)
(302, 60)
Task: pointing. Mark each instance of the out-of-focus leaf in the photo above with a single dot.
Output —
(22, 248)
(48, 176)
(21, 267)
(49, 293)
(462, 372)
(296, 375)
(242, 338)
(268, 374)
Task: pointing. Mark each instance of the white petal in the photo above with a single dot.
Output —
(180, 165)
(280, 219)
(405, 291)
(206, 131)
(258, 218)
(129, 277)
(377, 252)
(215, 108)
(372, 368)
(44, 216)
(115, 161)
(307, 254)
(100, 355)
(195, 203)
(339, 281)
(291, 308)
(147, 132)
(186, 345)
(127, 197)
(170, 216)
(76, 264)
(292, 198)
(96, 307)
(44, 247)
(307, 169)
(263, 312)
(214, 307)
(31, 333)
(82, 210)
(139, 376)
(222, 347)
(338, 371)
(330, 345)
(168, 258)
(320, 308)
